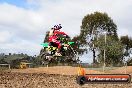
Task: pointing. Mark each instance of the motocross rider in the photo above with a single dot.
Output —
(54, 39)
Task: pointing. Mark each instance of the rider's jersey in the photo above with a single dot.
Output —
(54, 35)
(59, 32)
(53, 38)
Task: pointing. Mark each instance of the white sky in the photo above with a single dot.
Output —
(22, 29)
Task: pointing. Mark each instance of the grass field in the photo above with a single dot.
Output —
(101, 68)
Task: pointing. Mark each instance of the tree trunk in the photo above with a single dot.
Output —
(94, 61)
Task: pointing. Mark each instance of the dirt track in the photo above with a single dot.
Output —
(32, 79)
(63, 70)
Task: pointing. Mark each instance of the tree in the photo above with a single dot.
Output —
(95, 24)
(129, 61)
(127, 42)
(2, 61)
(46, 36)
(113, 49)
(78, 43)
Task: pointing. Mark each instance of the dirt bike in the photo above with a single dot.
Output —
(50, 50)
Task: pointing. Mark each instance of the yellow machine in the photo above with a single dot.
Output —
(24, 65)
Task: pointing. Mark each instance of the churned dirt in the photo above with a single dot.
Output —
(52, 77)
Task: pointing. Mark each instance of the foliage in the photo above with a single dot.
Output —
(78, 43)
(93, 25)
(113, 50)
(129, 61)
(2, 61)
(98, 22)
(15, 59)
(127, 42)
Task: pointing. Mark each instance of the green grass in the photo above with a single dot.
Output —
(101, 68)
(3, 69)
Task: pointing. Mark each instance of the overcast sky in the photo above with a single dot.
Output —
(23, 23)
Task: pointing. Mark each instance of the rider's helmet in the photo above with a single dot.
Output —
(57, 27)
(60, 26)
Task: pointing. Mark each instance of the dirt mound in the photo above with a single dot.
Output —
(64, 70)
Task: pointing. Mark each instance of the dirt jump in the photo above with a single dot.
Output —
(53, 77)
